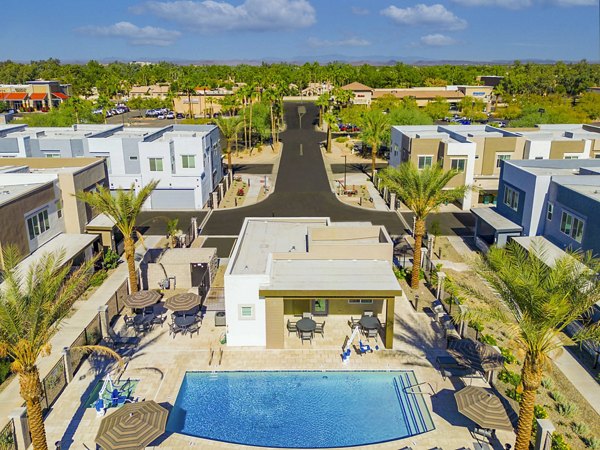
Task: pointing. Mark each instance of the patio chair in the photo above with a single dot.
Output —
(367, 313)
(193, 328)
(117, 398)
(291, 327)
(174, 329)
(159, 320)
(372, 333)
(306, 336)
(364, 348)
(128, 321)
(100, 408)
(141, 327)
(353, 323)
(320, 328)
(307, 315)
(483, 432)
(148, 310)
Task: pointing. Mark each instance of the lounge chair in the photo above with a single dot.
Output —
(306, 336)
(483, 432)
(100, 408)
(116, 398)
(291, 327)
(320, 328)
(364, 348)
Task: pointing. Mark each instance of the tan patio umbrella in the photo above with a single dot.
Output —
(141, 299)
(483, 407)
(478, 356)
(183, 302)
(133, 426)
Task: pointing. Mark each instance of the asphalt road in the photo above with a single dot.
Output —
(302, 187)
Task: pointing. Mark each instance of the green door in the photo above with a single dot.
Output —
(320, 307)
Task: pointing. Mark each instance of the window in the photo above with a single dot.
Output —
(571, 226)
(133, 158)
(549, 211)
(539, 157)
(188, 161)
(58, 204)
(246, 312)
(500, 158)
(511, 198)
(571, 157)
(358, 301)
(156, 164)
(425, 161)
(52, 155)
(38, 224)
(458, 164)
(597, 156)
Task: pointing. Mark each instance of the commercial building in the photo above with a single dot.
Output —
(205, 102)
(38, 95)
(186, 159)
(477, 151)
(364, 95)
(283, 267)
(159, 91)
(556, 199)
(38, 206)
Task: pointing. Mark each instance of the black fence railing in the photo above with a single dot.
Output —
(53, 384)
(8, 440)
(90, 335)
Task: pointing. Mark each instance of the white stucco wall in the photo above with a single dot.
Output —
(243, 290)
(537, 149)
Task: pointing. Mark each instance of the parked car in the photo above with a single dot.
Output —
(170, 115)
(161, 117)
(179, 116)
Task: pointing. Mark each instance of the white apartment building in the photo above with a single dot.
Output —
(186, 159)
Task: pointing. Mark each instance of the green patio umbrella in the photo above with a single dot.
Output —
(142, 299)
(484, 408)
(133, 426)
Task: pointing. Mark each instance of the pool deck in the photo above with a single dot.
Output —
(160, 363)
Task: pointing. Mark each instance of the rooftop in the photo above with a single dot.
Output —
(554, 167)
(8, 193)
(497, 221)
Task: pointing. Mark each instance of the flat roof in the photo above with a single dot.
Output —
(369, 234)
(71, 244)
(334, 278)
(101, 221)
(589, 190)
(497, 221)
(187, 255)
(554, 167)
(262, 236)
(10, 192)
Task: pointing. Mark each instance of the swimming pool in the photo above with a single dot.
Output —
(300, 409)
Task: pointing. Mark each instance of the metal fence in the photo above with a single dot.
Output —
(115, 304)
(53, 384)
(8, 440)
(90, 335)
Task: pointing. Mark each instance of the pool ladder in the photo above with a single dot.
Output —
(409, 389)
(211, 357)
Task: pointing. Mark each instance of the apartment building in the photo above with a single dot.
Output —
(556, 199)
(38, 206)
(205, 102)
(477, 151)
(159, 91)
(186, 159)
(38, 95)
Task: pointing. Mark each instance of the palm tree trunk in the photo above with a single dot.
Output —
(531, 377)
(250, 127)
(328, 138)
(229, 163)
(129, 257)
(373, 159)
(416, 270)
(31, 392)
(190, 105)
(272, 128)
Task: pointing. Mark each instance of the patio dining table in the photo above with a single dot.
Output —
(306, 325)
(142, 319)
(369, 323)
(184, 322)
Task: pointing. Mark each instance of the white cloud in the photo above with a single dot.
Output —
(350, 42)
(254, 15)
(437, 40)
(521, 4)
(435, 15)
(359, 11)
(134, 34)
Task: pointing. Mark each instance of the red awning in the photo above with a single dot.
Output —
(37, 96)
(60, 95)
(12, 96)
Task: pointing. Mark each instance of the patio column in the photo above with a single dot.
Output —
(393, 201)
(221, 191)
(440, 285)
(104, 322)
(215, 199)
(543, 439)
(22, 436)
(66, 352)
(389, 322)
(274, 322)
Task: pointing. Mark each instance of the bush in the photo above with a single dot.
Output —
(592, 442)
(548, 383)
(580, 429)
(110, 260)
(539, 412)
(98, 278)
(509, 358)
(341, 139)
(558, 442)
(508, 377)
(488, 339)
(477, 326)
(566, 409)
(516, 396)
(558, 397)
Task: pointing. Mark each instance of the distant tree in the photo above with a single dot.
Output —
(589, 104)
(438, 108)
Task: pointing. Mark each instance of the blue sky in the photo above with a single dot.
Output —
(290, 29)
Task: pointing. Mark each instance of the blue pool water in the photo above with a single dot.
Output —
(300, 409)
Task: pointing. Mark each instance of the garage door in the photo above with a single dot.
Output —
(162, 199)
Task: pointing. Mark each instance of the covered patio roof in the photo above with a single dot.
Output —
(497, 221)
(331, 278)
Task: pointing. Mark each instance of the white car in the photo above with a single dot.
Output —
(161, 117)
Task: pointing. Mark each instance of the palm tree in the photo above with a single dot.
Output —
(422, 190)
(375, 128)
(32, 306)
(229, 128)
(323, 103)
(537, 302)
(123, 208)
(330, 120)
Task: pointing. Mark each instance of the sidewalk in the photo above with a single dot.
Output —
(579, 378)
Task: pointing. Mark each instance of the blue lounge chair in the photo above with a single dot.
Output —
(364, 348)
(117, 399)
(100, 409)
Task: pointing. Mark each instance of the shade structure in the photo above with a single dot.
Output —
(133, 426)
(141, 299)
(484, 408)
(183, 302)
(478, 356)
